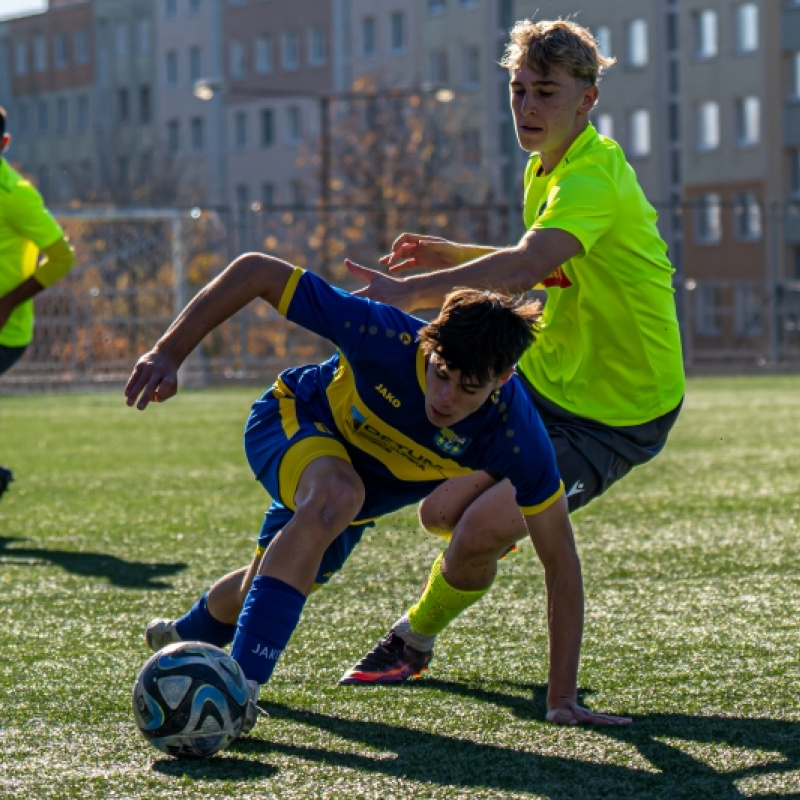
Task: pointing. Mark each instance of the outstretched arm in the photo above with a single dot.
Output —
(551, 534)
(155, 376)
(511, 269)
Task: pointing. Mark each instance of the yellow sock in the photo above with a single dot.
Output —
(440, 603)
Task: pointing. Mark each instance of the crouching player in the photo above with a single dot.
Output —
(401, 407)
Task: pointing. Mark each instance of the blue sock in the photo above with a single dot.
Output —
(271, 612)
(197, 625)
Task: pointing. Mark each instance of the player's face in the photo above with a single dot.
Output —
(448, 399)
(549, 111)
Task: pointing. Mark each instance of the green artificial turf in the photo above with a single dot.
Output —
(692, 596)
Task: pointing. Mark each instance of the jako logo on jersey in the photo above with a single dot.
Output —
(558, 278)
(387, 395)
(450, 443)
(358, 418)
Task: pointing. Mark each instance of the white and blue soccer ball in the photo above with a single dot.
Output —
(190, 700)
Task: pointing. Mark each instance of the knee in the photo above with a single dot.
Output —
(334, 503)
(434, 518)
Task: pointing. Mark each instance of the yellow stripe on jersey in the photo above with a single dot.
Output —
(529, 511)
(404, 458)
(288, 291)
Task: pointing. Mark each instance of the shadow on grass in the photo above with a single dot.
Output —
(126, 574)
(223, 767)
(662, 740)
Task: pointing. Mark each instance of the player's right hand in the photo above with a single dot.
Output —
(414, 251)
(154, 379)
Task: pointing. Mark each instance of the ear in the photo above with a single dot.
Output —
(505, 377)
(589, 99)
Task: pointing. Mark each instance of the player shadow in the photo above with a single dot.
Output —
(125, 574)
(222, 767)
(664, 767)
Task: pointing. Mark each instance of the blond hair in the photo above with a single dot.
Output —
(550, 44)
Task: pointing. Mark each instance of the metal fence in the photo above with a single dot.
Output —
(136, 269)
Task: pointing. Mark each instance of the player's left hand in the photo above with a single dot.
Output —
(570, 713)
(154, 379)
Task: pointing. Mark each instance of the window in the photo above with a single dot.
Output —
(749, 311)
(23, 123)
(674, 122)
(62, 121)
(639, 124)
(706, 314)
(603, 38)
(795, 82)
(705, 34)
(83, 113)
(290, 57)
(267, 127)
(81, 42)
(197, 134)
(41, 117)
(238, 60)
(240, 130)
(144, 105)
(123, 106)
(39, 53)
(195, 64)
(173, 137)
(437, 67)
(436, 6)
(747, 217)
(605, 125)
(317, 47)
(708, 219)
(170, 9)
(471, 147)
(470, 65)
(143, 36)
(748, 121)
(60, 51)
(397, 32)
(708, 126)
(172, 68)
(794, 171)
(194, 6)
(637, 43)
(265, 56)
(747, 28)
(294, 125)
(20, 59)
(368, 37)
(267, 195)
(121, 40)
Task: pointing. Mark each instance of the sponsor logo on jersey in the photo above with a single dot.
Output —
(387, 395)
(451, 443)
(357, 418)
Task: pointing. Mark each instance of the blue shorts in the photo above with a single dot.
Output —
(281, 438)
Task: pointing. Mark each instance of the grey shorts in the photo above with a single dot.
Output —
(592, 456)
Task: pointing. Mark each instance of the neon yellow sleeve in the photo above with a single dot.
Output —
(59, 258)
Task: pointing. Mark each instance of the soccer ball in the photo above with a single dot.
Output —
(190, 699)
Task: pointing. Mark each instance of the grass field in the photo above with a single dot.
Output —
(692, 570)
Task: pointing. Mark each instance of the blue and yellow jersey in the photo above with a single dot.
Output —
(26, 227)
(372, 394)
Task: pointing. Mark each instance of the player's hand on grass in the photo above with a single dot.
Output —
(413, 251)
(570, 713)
(154, 379)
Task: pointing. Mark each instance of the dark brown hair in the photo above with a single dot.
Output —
(481, 334)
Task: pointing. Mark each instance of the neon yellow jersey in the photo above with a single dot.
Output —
(610, 345)
(26, 227)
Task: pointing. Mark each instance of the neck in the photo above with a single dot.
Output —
(551, 159)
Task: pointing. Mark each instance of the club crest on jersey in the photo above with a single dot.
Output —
(451, 443)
